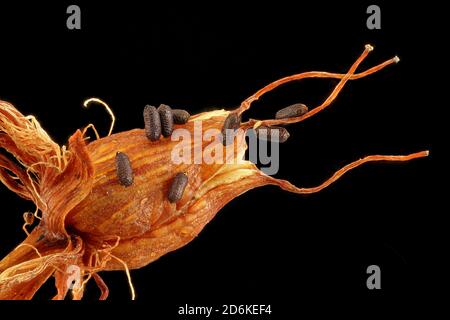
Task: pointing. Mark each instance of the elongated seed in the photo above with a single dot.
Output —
(295, 110)
(276, 134)
(124, 170)
(232, 122)
(152, 123)
(177, 187)
(166, 116)
(180, 116)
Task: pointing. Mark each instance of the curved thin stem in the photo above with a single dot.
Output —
(90, 125)
(286, 185)
(350, 75)
(113, 118)
(102, 286)
(127, 271)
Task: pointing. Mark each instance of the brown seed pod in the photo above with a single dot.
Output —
(274, 133)
(152, 123)
(180, 116)
(91, 222)
(177, 187)
(166, 116)
(295, 110)
(231, 123)
(124, 169)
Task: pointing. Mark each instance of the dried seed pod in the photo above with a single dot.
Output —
(124, 169)
(180, 116)
(295, 110)
(166, 116)
(177, 187)
(275, 134)
(93, 223)
(152, 123)
(232, 122)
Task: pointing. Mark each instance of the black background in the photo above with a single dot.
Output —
(267, 246)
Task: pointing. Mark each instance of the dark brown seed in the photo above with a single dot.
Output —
(124, 170)
(232, 122)
(295, 110)
(180, 116)
(276, 134)
(177, 187)
(152, 123)
(166, 116)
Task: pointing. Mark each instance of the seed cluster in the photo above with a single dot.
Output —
(157, 121)
(161, 120)
(280, 134)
